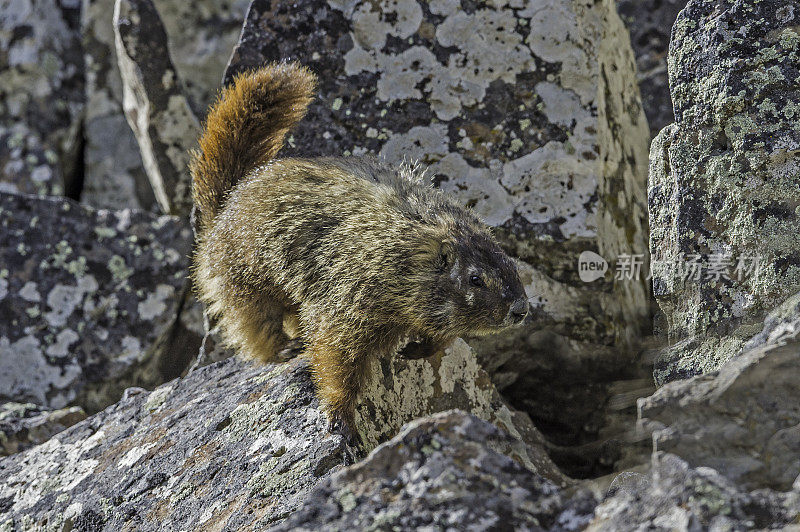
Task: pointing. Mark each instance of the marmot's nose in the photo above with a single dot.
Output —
(518, 310)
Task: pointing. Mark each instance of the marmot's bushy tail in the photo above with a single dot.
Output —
(245, 128)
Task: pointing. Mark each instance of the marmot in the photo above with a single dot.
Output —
(347, 255)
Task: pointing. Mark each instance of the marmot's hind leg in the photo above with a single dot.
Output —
(254, 325)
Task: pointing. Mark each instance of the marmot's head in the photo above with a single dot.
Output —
(476, 288)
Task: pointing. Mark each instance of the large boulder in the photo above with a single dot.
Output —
(724, 180)
(231, 445)
(742, 420)
(675, 496)
(441, 472)
(528, 114)
(41, 96)
(90, 301)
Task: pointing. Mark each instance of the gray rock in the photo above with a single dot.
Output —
(23, 425)
(439, 473)
(89, 301)
(742, 420)
(400, 390)
(679, 497)
(201, 35)
(155, 105)
(650, 24)
(230, 446)
(41, 96)
(724, 178)
(531, 116)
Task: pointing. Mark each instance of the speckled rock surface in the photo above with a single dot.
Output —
(41, 95)
(23, 425)
(529, 114)
(230, 447)
(155, 103)
(401, 390)
(201, 35)
(650, 24)
(442, 472)
(89, 301)
(743, 420)
(679, 497)
(724, 178)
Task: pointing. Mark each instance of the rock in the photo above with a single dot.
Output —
(89, 301)
(401, 390)
(723, 179)
(41, 96)
(155, 105)
(231, 445)
(679, 497)
(440, 472)
(650, 24)
(23, 425)
(742, 420)
(201, 35)
(531, 116)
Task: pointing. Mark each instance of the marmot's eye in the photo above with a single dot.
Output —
(476, 281)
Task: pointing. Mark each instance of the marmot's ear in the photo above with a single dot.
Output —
(446, 255)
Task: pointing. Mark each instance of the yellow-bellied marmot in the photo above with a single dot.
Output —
(351, 255)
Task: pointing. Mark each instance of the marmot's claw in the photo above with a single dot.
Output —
(338, 424)
(292, 348)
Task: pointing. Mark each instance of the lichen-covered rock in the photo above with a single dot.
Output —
(89, 301)
(742, 420)
(401, 390)
(41, 95)
(23, 425)
(230, 446)
(441, 472)
(679, 497)
(527, 113)
(724, 179)
(650, 24)
(201, 35)
(155, 104)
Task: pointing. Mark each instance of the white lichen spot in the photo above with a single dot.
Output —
(63, 300)
(155, 304)
(134, 455)
(30, 293)
(64, 339)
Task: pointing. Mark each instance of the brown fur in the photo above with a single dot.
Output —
(350, 254)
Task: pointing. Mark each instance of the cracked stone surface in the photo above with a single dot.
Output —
(88, 301)
(528, 113)
(724, 179)
(230, 446)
